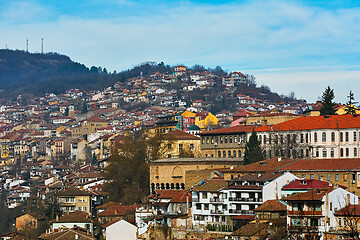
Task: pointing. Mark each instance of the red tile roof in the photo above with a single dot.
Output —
(177, 196)
(322, 164)
(306, 184)
(271, 206)
(270, 165)
(118, 210)
(349, 210)
(315, 122)
(180, 135)
(312, 195)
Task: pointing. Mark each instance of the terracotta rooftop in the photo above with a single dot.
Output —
(210, 185)
(315, 122)
(180, 135)
(312, 195)
(118, 210)
(323, 164)
(269, 165)
(353, 210)
(272, 206)
(307, 184)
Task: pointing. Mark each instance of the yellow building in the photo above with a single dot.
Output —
(270, 118)
(181, 144)
(88, 126)
(341, 110)
(74, 199)
(205, 120)
(170, 173)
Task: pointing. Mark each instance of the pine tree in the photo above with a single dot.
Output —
(84, 108)
(253, 152)
(328, 106)
(350, 108)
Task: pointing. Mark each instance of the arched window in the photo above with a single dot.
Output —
(315, 137)
(234, 154)
(354, 137)
(157, 186)
(182, 186)
(224, 154)
(239, 154)
(324, 152)
(341, 137)
(341, 152)
(355, 152)
(177, 186)
(265, 139)
(172, 186)
(162, 186)
(152, 187)
(167, 186)
(219, 154)
(229, 154)
(323, 137)
(332, 137)
(332, 152)
(346, 136)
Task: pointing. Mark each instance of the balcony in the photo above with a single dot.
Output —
(217, 212)
(216, 200)
(236, 199)
(241, 211)
(305, 213)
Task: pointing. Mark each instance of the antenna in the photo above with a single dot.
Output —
(27, 45)
(42, 45)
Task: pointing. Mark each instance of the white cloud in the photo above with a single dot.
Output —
(253, 35)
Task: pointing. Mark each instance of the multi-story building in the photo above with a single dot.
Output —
(335, 136)
(218, 201)
(311, 214)
(225, 142)
(74, 199)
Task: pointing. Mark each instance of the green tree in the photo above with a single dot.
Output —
(350, 108)
(328, 106)
(253, 152)
(128, 170)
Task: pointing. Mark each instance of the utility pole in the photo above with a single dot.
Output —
(42, 45)
(27, 45)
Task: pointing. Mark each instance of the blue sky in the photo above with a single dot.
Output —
(299, 46)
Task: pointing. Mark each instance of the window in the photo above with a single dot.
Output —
(264, 139)
(320, 177)
(301, 138)
(323, 137)
(317, 153)
(234, 154)
(221, 139)
(230, 139)
(207, 139)
(219, 154)
(191, 146)
(212, 140)
(204, 195)
(281, 139)
(315, 137)
(198, 206)
(354, 137)
(324, 152)
(346, 136)
(224, 154)
(260, 139)
(341, 137)
(347, 152)
(235, 139)
(229, 154)
(226, 139)
(328, 177)
(336, 177)
(239, 154)
(355, 152)
(311, 176)
(332, 153)
(341, 152)
(306, 138)
(180, 147)
(303, 176)
(206, 206)
(332, 137)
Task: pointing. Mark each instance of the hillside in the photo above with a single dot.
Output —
(23, 72)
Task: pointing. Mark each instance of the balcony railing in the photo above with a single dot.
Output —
(305, 213)
(216, 200)
(241, 211)
(236, 199)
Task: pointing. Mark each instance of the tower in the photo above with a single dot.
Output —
(42, 45)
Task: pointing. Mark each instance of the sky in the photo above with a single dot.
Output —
(299, 46)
